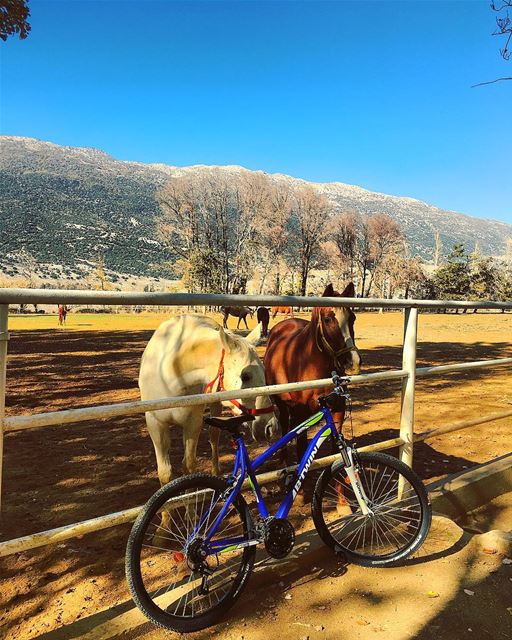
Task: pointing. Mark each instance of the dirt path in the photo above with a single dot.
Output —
(425, 600)
(59, 475)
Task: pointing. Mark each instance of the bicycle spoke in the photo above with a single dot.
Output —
(174, 579)
(391, 524)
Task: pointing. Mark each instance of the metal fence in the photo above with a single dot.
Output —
(407, 374)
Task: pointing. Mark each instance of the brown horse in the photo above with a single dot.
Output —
(287, 311)
(263, 316)
(63, 312)
(299, 350)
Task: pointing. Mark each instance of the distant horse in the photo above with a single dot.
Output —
(192, 354)
(287, 311)
(63, 312)
(299, 350)
(263, 316)
(238, 312)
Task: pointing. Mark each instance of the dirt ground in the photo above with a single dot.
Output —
(59, 475)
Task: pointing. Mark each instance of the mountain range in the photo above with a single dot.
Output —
(67, 205)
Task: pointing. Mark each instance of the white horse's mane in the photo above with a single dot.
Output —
(238, 343)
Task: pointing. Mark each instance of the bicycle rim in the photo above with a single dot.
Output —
(396, 520)
(167, 583)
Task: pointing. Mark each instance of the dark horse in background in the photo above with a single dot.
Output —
(238, 312)
(263, 317)
(299, 350)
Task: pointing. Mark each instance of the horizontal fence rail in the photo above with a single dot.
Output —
(105, 411)
(15, 423)
(61, 296)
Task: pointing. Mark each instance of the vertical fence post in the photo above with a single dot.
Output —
(4, 336)
(408, 384)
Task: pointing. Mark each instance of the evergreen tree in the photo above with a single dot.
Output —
(452, 280)
(483, 278)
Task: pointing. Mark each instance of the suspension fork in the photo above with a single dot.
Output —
(347, 453)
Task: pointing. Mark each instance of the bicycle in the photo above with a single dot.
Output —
(192, 548)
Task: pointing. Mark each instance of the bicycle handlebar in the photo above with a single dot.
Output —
(338, 381)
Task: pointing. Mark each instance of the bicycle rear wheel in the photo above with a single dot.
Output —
(169, 581)
(399, 518)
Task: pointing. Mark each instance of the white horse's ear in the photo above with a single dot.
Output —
(227, 341)
(255, 335)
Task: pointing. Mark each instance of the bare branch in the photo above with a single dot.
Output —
(490, 82)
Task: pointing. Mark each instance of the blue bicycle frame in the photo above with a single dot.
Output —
(244, 468)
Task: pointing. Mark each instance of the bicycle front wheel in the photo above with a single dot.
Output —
(399, 512)
(172, 584)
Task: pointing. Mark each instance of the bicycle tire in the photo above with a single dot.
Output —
(162, 617)
(417, 496)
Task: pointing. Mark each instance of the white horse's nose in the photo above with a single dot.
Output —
(264, 427)
(356, 362)
(272, 429)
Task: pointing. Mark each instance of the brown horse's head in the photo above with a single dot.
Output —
(334, 331)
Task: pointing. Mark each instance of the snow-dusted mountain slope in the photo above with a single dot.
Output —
(69, 204)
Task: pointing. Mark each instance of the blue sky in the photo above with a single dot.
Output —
(374, 94)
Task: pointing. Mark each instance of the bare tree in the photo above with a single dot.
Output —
(343, 231)
(252, 199)
(98, 277)
(503, 28)
(438, 252)
(311, 210)
(377, 237)
(212, 223)
(503, 25)
(274, 234)
(400, 274)
(385, 238)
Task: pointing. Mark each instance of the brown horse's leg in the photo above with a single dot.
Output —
(297, 415)
(245, 320)
(284, 423)
(342, 505)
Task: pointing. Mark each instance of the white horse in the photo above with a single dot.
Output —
(185, 356)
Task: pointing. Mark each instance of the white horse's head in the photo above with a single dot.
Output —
(243, 369)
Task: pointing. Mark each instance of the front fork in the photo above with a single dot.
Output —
(347, 453)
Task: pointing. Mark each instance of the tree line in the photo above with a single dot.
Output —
(227, 230)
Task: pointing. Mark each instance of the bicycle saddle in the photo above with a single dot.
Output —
(229, 423)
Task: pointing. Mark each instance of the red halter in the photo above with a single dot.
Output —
(220, 387)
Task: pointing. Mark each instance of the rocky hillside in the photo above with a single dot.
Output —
(67, 205)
